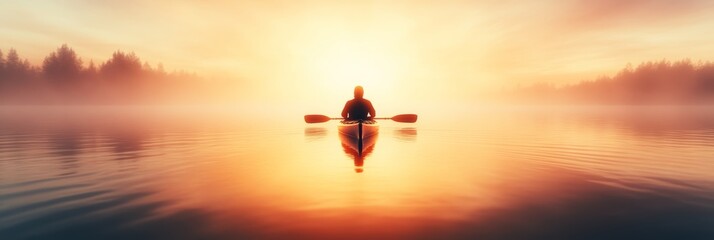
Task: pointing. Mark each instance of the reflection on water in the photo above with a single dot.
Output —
(406, 133)
(352, 149)
(143, 173)
(315, 133)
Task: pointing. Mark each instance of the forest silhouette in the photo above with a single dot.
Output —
(63, 78)
(651, 83)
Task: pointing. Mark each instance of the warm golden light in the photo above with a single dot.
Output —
(258, 175)
(397, 50)
(342, 65)
(280, 119)
(345, 64)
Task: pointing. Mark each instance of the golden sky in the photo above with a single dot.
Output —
(416, 49)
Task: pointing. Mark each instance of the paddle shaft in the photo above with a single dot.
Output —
(382, 118)
(314, 118)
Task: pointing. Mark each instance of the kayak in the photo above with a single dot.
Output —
(358, 134)
(358, 129)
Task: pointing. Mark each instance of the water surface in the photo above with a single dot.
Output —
(493, 173)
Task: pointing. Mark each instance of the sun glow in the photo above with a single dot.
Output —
(336, 65)
(343, 66)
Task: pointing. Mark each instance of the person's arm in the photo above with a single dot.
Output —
(372, 113)
(345, 110)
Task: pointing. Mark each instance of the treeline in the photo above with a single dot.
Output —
(64, 78)
(650, 83)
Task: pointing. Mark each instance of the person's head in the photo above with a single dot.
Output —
(359, 92)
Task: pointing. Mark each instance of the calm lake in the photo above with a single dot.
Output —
(491, 173)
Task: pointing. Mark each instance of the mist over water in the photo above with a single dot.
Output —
(488, 173)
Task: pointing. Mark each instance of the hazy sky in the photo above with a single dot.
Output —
(413, 49)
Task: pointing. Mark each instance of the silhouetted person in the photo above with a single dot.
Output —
(358, 108)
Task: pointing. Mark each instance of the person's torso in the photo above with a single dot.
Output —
(358, 109)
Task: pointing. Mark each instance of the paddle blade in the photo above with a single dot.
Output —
(314, 118)
(405, 118)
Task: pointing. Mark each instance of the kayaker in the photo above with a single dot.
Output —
(358, 108)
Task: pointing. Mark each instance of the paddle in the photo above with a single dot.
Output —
(405, 118)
